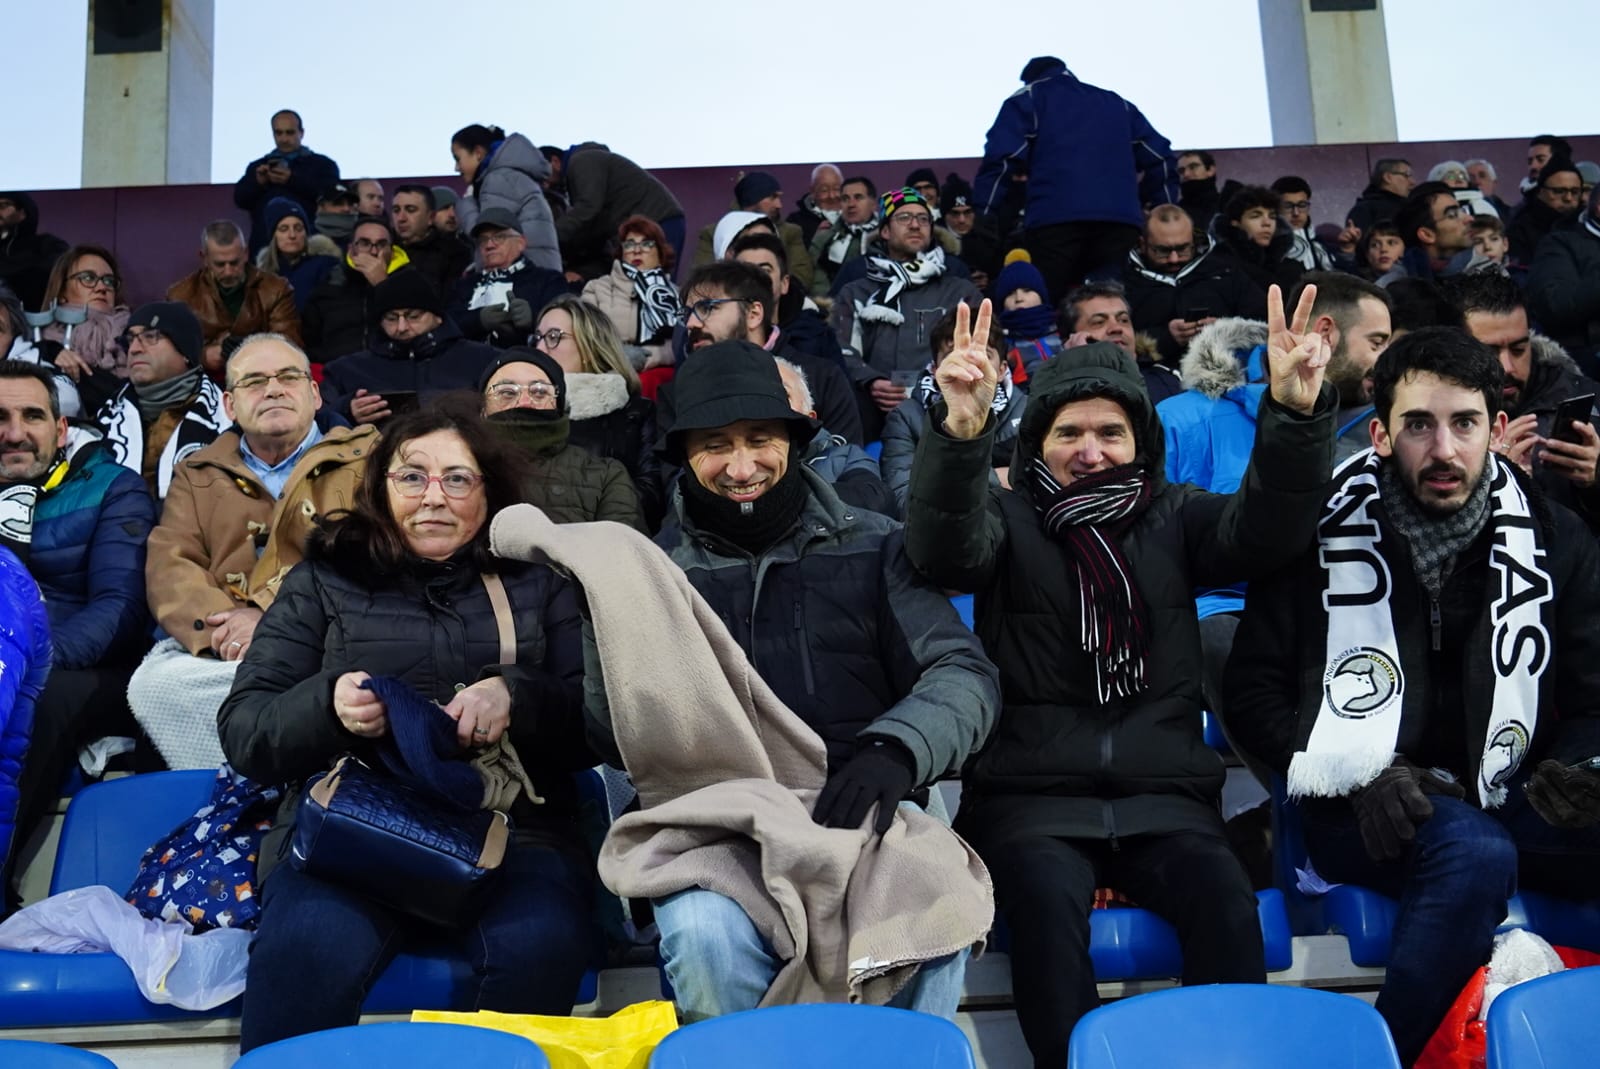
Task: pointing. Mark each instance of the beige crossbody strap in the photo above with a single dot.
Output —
(502, 617)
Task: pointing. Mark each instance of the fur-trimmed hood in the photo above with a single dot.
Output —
(1548, 352)
(589, 396)
(1215, 361)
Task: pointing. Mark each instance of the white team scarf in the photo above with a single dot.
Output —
(203, 420)
(1353, 737)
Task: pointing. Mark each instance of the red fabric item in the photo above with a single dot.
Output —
(1460, 1041)
(652, 379)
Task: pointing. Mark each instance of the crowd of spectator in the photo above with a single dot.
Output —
(1107, 392)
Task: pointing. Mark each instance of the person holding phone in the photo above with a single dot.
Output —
(415, 354)
(289, 170)
(1177, 286)
(1436, 729)
(1551, 432)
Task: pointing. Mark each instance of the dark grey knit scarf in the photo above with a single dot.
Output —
(1433, 540)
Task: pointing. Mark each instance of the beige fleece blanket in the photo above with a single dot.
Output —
(727, 775)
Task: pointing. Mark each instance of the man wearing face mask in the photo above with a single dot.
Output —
(871, 658)
(1085, 573)
(821, 204)
(525, 401)
(414, 354)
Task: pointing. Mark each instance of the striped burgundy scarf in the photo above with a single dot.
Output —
(1089, 517)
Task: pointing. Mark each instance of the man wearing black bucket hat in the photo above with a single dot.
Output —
(1085, 573)
(825, 605)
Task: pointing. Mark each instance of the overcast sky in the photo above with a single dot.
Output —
(383, 85)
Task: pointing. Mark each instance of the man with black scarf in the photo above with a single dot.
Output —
(525, 401)
(822, 600)
(168, 408)
(1085, 573)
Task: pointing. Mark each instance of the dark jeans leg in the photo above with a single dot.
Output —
(1559, 861)
(77, 705)
(1044, 887)
(1066, 253)
(534, 940)
(1453, 887)
(314, 958)
(1194, 882)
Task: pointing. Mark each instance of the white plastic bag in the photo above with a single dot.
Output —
(169, 963)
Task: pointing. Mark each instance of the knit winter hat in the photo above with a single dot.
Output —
(1019, 274)
(896, 199)
(444, 197)
(922, 174)
(280, 207)
(521, 354)
(755, 187)
(176, 321)
(406, 288)
(956, 193)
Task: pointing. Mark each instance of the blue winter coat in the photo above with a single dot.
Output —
(1210, 428)
(1090, 156)
(89, 533)
(24, 667)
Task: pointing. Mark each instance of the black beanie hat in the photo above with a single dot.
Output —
(406, 288)
(956, 193)
(923, 174)
(176, 321)
(755, 187)
(521, 354)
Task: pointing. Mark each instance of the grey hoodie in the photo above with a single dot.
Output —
(510, 179)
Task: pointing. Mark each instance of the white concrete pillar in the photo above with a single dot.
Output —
(1327, 64)
(147, 92)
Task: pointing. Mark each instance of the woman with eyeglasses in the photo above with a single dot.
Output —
(293, 253)
(401, 587)
(639, 296)
(609, 417)
(506, 171)
(85, 289)
(525, 401)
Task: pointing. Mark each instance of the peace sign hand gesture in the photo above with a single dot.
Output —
(966, 377)
(1296, 359)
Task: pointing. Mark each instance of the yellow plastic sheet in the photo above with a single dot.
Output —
(622, 1041)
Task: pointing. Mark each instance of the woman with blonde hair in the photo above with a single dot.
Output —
(609, 416)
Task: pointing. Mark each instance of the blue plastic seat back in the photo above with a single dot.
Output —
(963, 604)
(22, 1053)
(1239, 1026)
(399, 1045)
(874, 450)
(1546, 1023)
(803, 1037)
(110, 825)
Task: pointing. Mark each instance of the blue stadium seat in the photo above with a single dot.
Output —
(1546, 1023)
(1366, 917)
(1288, 1026)
(801, 1037)
(1127, 943)
(24, 1054)
(399, 1045)
(875, 450)
(963, 604)
(107, 828)
(1211, 729)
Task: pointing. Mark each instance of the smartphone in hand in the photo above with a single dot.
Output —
(1569, 411)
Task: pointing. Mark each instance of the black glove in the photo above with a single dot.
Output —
(495, 317)
(1389, 809)
(882, 773)
(521, 313)
(1566, 796)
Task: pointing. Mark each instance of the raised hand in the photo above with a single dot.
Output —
(1296, 359)
(967, 377)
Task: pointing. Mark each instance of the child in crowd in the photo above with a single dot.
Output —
(1026, 315)
(1380, 249)
(1489, 238)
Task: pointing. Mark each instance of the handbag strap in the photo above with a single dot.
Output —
(502, 617)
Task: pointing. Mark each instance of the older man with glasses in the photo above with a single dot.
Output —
(415, 354)
(236, 519)
(1554, 205)
(497, 300)
(1176, 288)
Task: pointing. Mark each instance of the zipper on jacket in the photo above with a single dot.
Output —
(805, 649)
(1436, 623)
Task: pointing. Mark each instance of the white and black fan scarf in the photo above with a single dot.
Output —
(659, 306)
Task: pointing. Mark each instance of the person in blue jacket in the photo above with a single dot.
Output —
(90, 517)
(24, 667)
(1093, 162)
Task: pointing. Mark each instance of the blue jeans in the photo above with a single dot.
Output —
(718, 963)
(320, 946)
(1453, 885)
